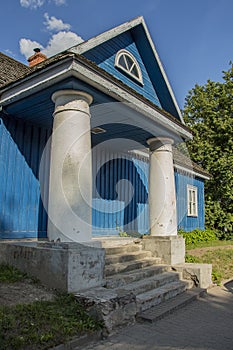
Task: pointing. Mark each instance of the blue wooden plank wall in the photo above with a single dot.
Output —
(21, 211)
(185, 222)
(104, 56)
(120, 193)
(116, 209)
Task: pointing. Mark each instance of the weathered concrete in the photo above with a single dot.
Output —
(70, 267)
(205, 324)
(170, 249)
(200, 274)
(115, 307)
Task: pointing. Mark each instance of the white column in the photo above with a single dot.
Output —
(162, 194)
(70, 191)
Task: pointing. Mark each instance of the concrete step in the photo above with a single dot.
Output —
(127, 248)
(160, 311)
(114, 241)
(150, 283)
(121, 258)
(113, 269)
(156, 296)
(124, 278)
(120, 306)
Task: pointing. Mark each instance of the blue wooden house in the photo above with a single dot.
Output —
(89, 143)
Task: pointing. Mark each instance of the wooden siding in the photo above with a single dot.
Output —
(21, 211)
(115, 174)
(185, 222)
(104, 56)
(120, 194)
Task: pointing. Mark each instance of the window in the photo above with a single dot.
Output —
(127, 63)
(192, 201)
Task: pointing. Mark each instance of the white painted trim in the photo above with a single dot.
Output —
(72, 67)
(195, 190)
(36, 82)
(111, 89)
(124, 52)
(192, 172)
(112, 33)
(145, 153)
(99, 39)
(162, 70)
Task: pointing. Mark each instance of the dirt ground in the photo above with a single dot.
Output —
(27, 291)
(24, 292)
(198, 252)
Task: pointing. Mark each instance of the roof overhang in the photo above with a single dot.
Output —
(50, 76)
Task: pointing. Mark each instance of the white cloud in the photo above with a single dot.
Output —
(54, 24)
(27, 46)
(33, 4)
(58, 42)
(60, 2)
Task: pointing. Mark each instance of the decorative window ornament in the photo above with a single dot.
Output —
(127, 63)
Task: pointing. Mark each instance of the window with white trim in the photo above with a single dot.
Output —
(192, 200)
(127, 63)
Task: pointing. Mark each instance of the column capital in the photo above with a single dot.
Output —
(160, 143)
(71, 100)
(69, 95)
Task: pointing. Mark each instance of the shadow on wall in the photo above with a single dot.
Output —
(118, 179)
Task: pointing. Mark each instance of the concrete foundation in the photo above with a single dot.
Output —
(69, 267)
(200, 274)
(171, 249)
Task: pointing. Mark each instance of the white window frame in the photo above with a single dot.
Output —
(192, 200)
(129, 69)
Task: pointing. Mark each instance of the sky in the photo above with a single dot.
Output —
(194, 39)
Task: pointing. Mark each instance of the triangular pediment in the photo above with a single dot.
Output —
(134, 38)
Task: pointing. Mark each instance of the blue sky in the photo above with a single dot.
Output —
(194, 39)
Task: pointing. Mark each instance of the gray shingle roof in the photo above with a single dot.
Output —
(185, 161)
(11, 69)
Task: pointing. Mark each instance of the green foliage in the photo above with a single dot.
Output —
(123, 234)
(43, 324)
(221, 260)
(9, 274)
(191, 259)
(209, 113)
(197, 236)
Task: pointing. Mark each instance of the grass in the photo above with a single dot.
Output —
(216, 243)
(9, 274)
(41, 324)
(221, 259)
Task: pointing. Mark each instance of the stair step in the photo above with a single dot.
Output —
(124, 278)
(160, 311)
(128, 248)
(130, 266)
(150, 283)
(156, 296)
(121, 258)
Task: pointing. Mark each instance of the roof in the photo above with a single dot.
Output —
(187, 164)
(151, 58)
(11, 69)
(67, 54)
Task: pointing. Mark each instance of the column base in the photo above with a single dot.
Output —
(171, 249)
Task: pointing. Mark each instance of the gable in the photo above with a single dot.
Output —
(138, 33)
(104, 56)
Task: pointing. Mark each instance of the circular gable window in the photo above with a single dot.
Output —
(127, 63)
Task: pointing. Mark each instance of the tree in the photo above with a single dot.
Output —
(208, 112)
